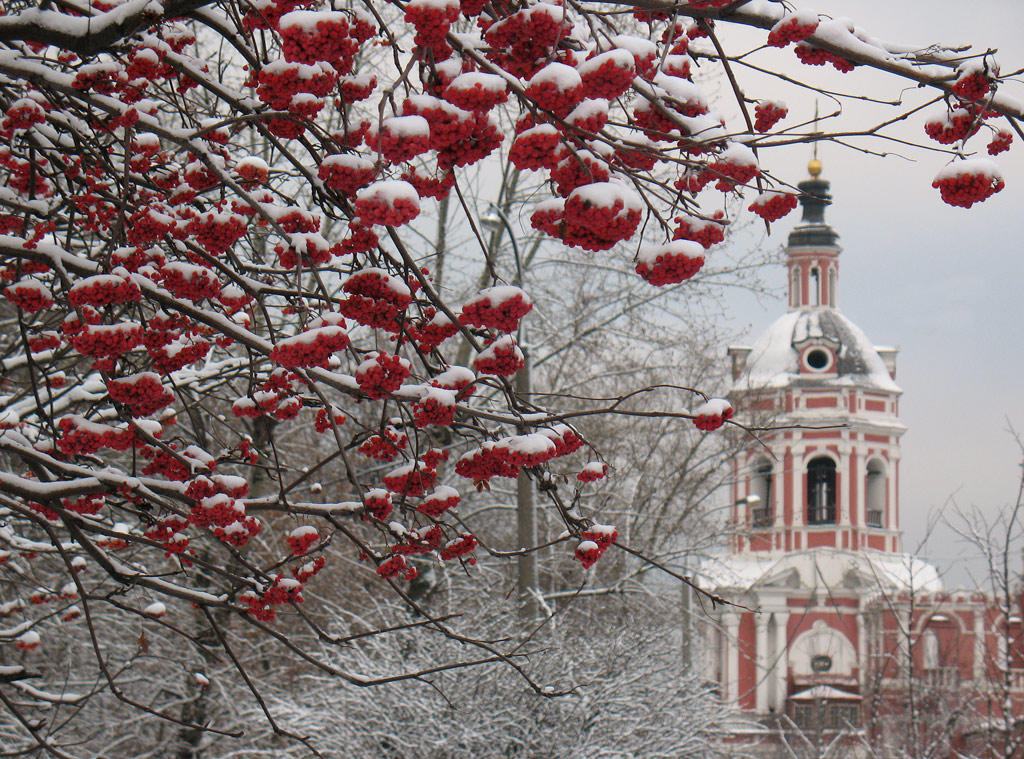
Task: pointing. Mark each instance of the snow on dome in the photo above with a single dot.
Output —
(774, 361)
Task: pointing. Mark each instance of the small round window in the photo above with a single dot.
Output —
(818, 359)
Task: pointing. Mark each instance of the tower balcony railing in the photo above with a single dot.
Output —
(874, 518)
(761, 517)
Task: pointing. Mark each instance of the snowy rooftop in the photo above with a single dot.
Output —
(774, 361)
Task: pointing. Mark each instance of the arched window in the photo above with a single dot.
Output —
(795, 289)
(815, 285)
(930, 654)
(761, 487)
(832, 287)
(821, 491)
(874, 493)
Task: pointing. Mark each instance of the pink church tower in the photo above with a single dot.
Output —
(815, 499)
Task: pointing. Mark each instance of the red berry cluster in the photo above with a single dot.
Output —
(576, 170)
(310, 348)
(346, 173)
(327, 419)
(972, 86)
(301, 538)
(953, 126)
(815, 56)
(104, 290)
(23, 114)
(589, 117)
(106, 340)
(417, 542)
(390, 202)
(460, 546)
(314, 36)
(218, 510)
(80, 436)
(381, 374)
(143, 393)
(731, 172)
(397, 565)
(475, 91)
(712, 414)
(1000, 142)
(402, 137)
(189, 281)
(432, 19)
(707, 232)
(557, 88)
(489, 460)
(767, 113)
(772, 206)
(386, 446)
(599, 215)
(523, 42)
(498, 308)
(377, 503)
(449, 125)
(438, 502)
(535, 148)
(428, 186)
(29, 295)
(791, 28)
(502, 358)
(671, 263)
(436, 407)
(216, 232)
(411, 480)
(608, 75)
(596, 540)
(280, 82)
(967, 187)
(308, 570)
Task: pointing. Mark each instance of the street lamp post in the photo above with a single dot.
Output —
(526, 508)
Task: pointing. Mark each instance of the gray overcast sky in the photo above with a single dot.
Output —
(944, 284)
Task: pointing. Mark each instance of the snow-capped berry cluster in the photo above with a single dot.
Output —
(502, 357)
(498, 308)
(964, 183)
(401, 137)
(534, 148)
(432, 19)
(216, 232)
(670, 263)
(707, 232)
(104, 290)
(310, 348)
(420, 541)
(736, 165)
(712, 414)
(189, 281)
(439, 501)
(346, 173)
(793, 27)
(768, 113)
(772, 206)
(815, 56)
(435, 407)
(377, 503)
(460, 546)
(304, 572)
(411, 480)
(30, 295)
(381, 374)
(143, 393)
(556, 87)
(1000, 142)
(592, 472)
(376, 298)
(80, 436)
(302, 538)
(314, 36)
(397, 565)
(475, 91)
(948, 126)
(386, 446)
(607, 75)
(107, 340)
(596, 540)
(391, 202)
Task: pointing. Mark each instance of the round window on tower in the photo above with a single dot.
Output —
(818, 359)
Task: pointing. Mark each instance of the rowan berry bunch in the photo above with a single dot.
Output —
(815, 56)
(707, 232)
(712, 414)
(772, 206)
(381, 374)
(768, 113)
(793, 27)
(502, 357)
(439, 501)
(964, 183)
(143, 393)
(301, 539)
(499, 308)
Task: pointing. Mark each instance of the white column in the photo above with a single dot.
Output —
(764, 662)
(781, 660)
(731, 651)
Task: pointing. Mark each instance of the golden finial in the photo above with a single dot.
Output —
(814, 167)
